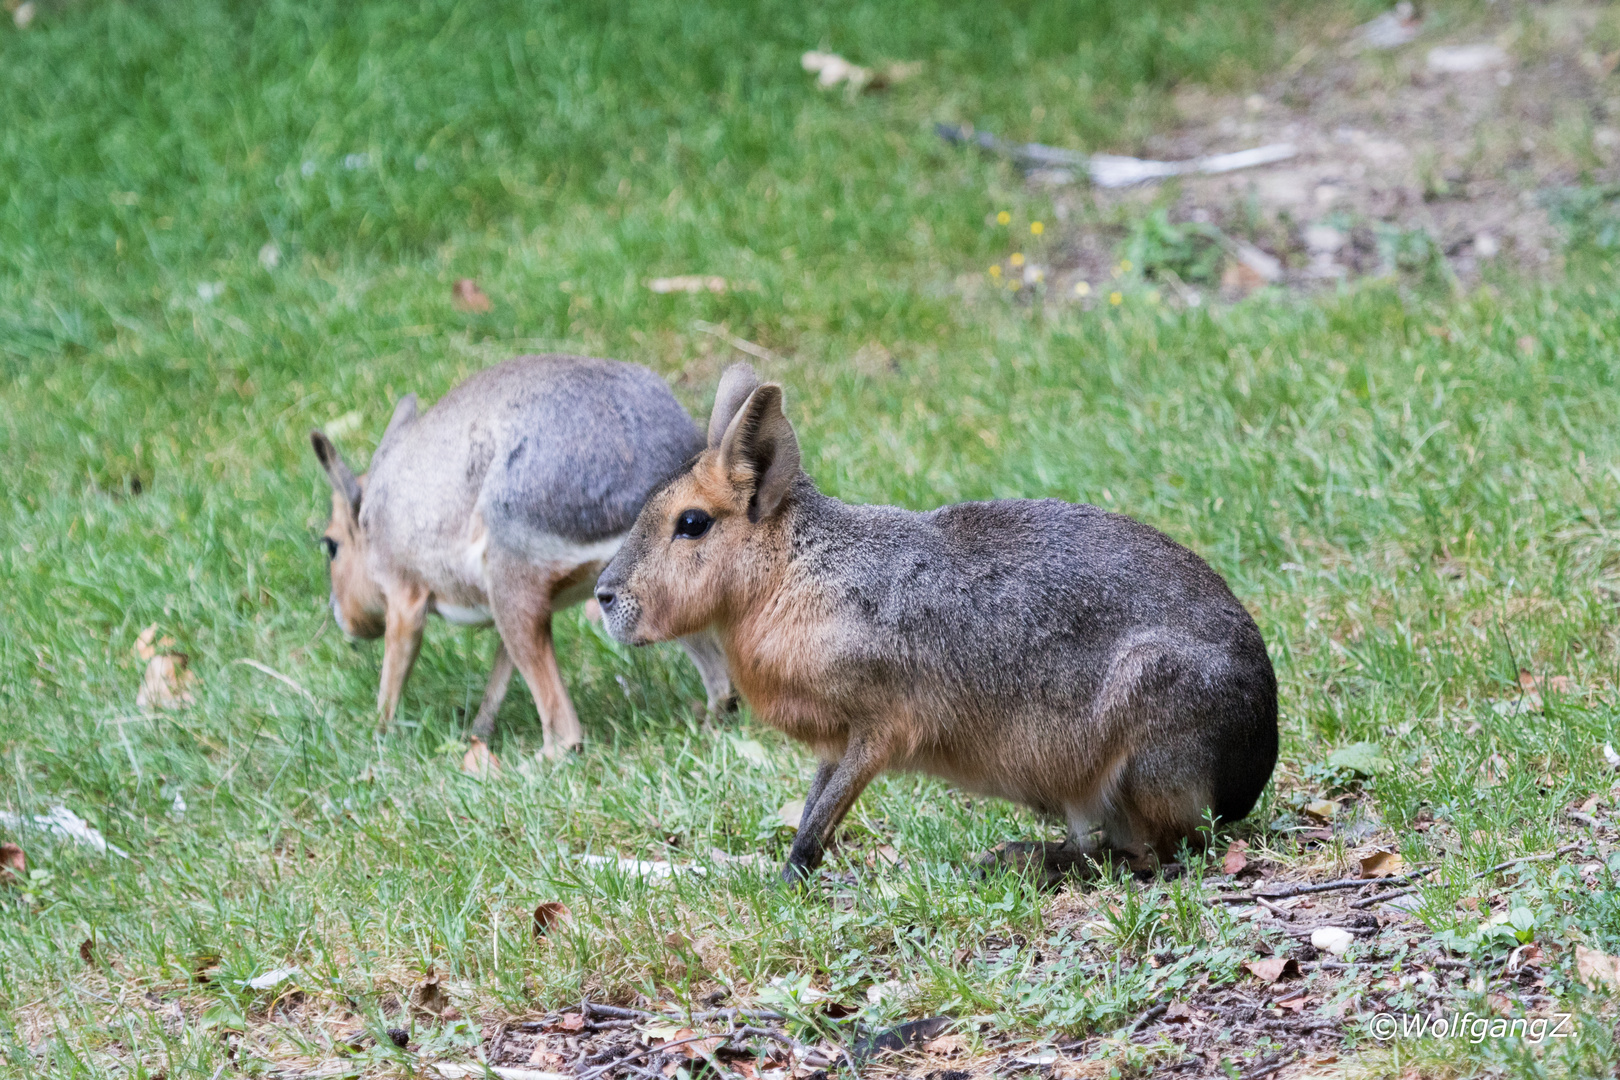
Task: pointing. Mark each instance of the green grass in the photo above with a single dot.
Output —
(1416, 493)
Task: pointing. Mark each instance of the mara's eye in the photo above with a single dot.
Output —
(330, 545)
(692, 523)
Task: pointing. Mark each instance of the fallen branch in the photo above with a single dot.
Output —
(1369, 901)
(601, 1070)
(1306, 888)
(1148, 1017)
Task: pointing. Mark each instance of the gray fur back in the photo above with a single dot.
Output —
(550, 446)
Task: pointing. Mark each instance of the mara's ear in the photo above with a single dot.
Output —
(343, 481)
(404, 413)
(759, 443)
(736, 384)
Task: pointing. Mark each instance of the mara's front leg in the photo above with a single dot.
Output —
(834, 791)
(402, 640)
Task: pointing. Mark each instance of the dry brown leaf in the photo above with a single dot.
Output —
(1500, 1004)
(468, 296)
(13, 863)
(87, 950)
(946, 1046)
(1235, 860)
(429, 995)
(572, 1022)
(549, 915)
(688, 283)
(1294, 1004)
(888, 855)
(1471, 903)
(1381, 864)
(480, 760)
(167, 683)
(1597, 969)
(547, 1059)
(1273, 968)
(1322, 809)
(1179, 1012)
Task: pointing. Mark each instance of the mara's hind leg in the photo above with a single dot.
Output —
(710, 660)
(521, 598)
(500, 677)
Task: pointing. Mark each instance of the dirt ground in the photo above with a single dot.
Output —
(1437, 156)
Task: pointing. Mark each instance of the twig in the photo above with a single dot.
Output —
(274, 674)
(1543, 857)
(1326, 886)
(1148, 1017)
(1280, 912)
(616, 1012)
(644, 1051)
(1266, 1067)
(740, 344)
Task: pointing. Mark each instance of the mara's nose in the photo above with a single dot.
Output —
(605, 598)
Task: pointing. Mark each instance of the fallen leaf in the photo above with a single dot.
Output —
(751, 751)
(1499, 1004)
(1235, 860)
(1179, 1012)
(429, 995)
(87, 950)
(792, 813)
(1381, 864)
(688, 283)
(13, 863)
(1322, 809)
(549, 915)
(547, 1058)
(946, 1046)
(572, 1022)
(468, 296)
(1044, 1055)
(1332, 939)
(1366, 758)
(480, 760)
(167, 683)
(1471, 903)
(888, 855)
(1273, 968)
(1294, 1004)
(1597, 969)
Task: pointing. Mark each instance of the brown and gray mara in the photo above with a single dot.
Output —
(1056, 655)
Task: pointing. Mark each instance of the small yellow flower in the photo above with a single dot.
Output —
(1082, 288)
(1116, 298)
(1124, 266)
(995, 271)
(1017, 258)
(1003, 218)
(1036, 228)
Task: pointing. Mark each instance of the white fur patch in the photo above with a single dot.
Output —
(543, 549)
(463, 616)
